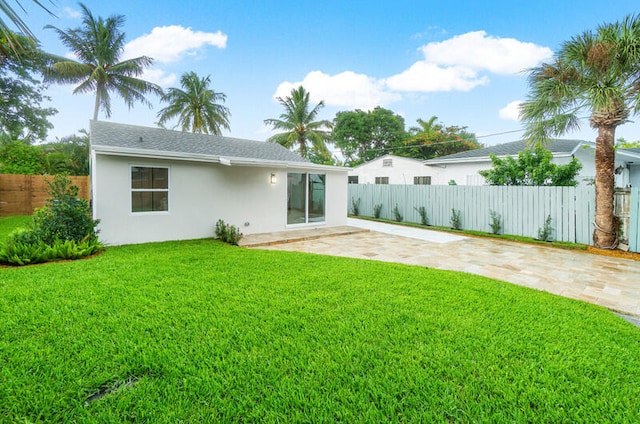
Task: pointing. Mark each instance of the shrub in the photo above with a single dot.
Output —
(65, 217)
(227, 233)
(396, 213)
(422, 211)
(496, 222)
(545, 232)
(377, 209)
(355, 206)
(23, 247)
(456, 222)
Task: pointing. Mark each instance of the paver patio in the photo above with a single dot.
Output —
(607, 281)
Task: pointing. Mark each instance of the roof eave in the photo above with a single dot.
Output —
(197, 157)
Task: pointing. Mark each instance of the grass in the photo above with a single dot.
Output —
(510, 237)
(199, 331)
(10, 223)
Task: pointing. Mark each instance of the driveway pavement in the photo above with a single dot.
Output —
(610, 282)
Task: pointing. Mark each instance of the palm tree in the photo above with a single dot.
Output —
(98, 45)
(300, 125)
(196, 106)
(598, 73)
(13, 16)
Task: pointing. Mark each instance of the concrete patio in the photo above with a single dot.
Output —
(611, 282)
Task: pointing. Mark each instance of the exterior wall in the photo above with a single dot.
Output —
(199, 194)
(402, 170)
(466, 173)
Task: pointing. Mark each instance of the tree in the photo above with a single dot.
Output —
(597, 72)
(432, 140)
(621, 143)
(21, 92)
(69, 154)
(532, 167)
(20, 157)
(14, 42)
(363, 136)
(300, 126)
(98, 45)
(196, 106)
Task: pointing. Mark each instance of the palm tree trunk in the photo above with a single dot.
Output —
(96, 107)
(605, 233)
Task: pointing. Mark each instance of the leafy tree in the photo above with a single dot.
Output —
(300, 126)
(20, 157)
(196, 106)
(532, 167)
(98, 45)
(13, 42)
(21, 92)
(432, 139)
(69, 155)
(621, 143)
(595, 72)
(363, 136)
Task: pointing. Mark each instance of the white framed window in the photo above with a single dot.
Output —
(353, 179)
(424, 180)
(149, 189)
(387, 163)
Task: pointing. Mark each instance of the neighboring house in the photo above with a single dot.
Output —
(151, 184)
(391, 169)
(463, 167)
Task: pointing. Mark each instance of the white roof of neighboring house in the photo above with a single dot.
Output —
(131, 140)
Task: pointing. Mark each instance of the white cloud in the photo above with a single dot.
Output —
(511, 111)
(171, 43)
(158, 76)
(477, 50)
(72, 13)
(346, 89)
(424, 76)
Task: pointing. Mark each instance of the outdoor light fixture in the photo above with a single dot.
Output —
(273, 178)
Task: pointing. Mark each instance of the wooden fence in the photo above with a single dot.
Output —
(21, 194)
(523, 210)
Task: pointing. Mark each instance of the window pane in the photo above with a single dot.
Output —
(141, 177)
(160, 178)
(160, 201)
(316, 197)
(141, 201)
(353, 179)
(296, 194)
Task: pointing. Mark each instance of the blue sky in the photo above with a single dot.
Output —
(461, 61)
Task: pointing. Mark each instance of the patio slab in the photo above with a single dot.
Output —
(611, 282)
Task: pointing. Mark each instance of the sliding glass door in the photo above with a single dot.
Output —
(305, 198)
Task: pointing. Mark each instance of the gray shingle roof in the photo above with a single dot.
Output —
(128, 137)
(511, 149)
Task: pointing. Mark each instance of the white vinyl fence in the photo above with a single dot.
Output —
(523, 209)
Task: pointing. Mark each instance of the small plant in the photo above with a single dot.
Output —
(396, 213)
(377, 209)
(227, 233)
(355, 206)
(452, 182)
(456, 222)
(546, 231)
(422, 211)
(496, 222)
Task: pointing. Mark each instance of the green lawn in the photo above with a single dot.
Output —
(199, 331)
(10, 223)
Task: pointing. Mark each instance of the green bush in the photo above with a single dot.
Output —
(496, 222)
(65, 217)
(23, 247)
(424, 220)
(63, 229)
(355, 206)
(228, 233)
(377, 209)
(456, 221)
(545, 233)
(396, 213)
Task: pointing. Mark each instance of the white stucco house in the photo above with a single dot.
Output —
(151, 184)
(463, 167)
(390, 169)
